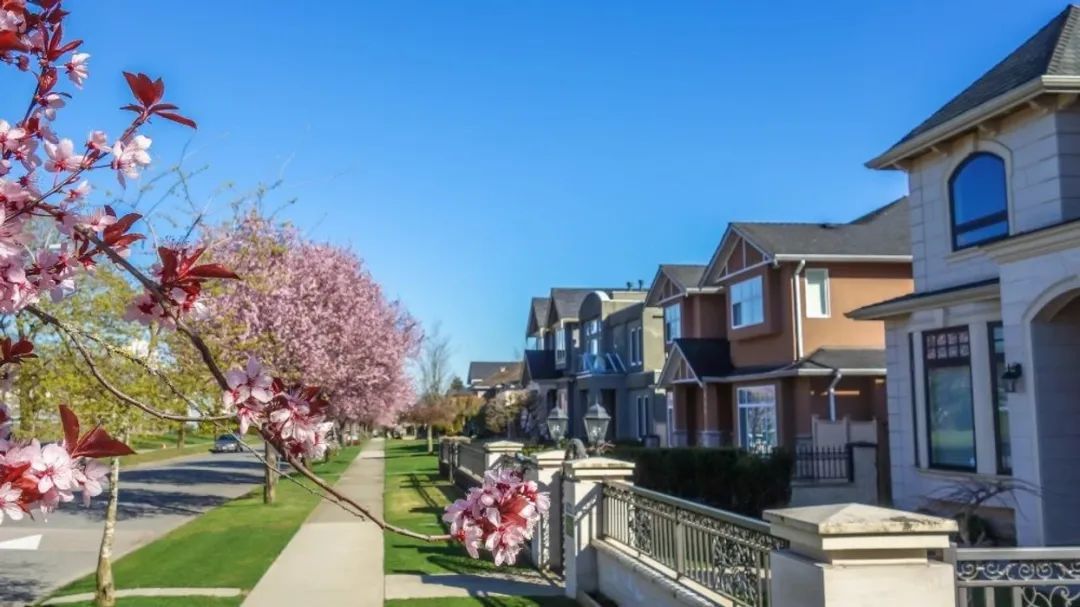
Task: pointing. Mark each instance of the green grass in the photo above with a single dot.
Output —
(486, 601)
(145, 457)
(172, 601)
(230, 546)
(168, 439)
(414, 498)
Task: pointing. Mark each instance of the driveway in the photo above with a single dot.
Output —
(37, 557)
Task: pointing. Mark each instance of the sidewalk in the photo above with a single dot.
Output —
(335, 558)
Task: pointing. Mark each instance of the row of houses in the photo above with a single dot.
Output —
(951, 317)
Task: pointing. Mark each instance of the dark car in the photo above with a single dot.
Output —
(226, 443)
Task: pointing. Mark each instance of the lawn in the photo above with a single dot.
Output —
(485, 601)
(414, 498)
(230, 546)
(172, 601)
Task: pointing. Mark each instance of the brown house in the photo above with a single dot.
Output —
(759, 344)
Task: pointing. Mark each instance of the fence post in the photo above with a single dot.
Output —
(855, 555)
(495, 450)
(582, 502)
(544, 468)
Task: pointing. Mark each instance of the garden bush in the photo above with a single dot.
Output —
(729, 479)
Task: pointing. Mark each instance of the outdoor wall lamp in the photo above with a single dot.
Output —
(596, 423)
(1011, 376)
(557, 421)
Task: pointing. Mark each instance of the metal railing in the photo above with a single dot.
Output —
(813, 463)
(723, 552)
(1016, 577)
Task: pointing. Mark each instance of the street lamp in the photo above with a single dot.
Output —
(596, 423)
(557, 421)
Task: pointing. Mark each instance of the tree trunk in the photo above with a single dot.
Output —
(270, 480)
(181, 435)
(105, 595)
(430, 440)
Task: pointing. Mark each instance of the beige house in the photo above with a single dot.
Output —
(983, 378)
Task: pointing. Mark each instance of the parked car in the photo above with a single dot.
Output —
(226, 443)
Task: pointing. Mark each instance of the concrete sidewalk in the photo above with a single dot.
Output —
(335, 558)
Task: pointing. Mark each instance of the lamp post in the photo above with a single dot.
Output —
(596, 423)
(557, 422)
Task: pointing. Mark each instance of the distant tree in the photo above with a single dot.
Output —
(433, 377)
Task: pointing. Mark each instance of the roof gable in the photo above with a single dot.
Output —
(490, 373)
(538, 313)
(673, 280)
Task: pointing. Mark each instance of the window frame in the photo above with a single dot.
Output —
(825, 289)
(981, 222)
(731, 299)
(643, 416)
(739, 407)
(668, 337)
(914, 337)
(936, 363)
(560, 344)
(1000, 466)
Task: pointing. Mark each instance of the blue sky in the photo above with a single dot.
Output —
(476, 153)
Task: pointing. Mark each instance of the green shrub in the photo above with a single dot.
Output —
(729, 479)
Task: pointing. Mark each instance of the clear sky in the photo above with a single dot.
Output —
(476, 153)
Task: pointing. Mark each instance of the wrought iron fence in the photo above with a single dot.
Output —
(1016, 577)
(813, 463)
(720, 551)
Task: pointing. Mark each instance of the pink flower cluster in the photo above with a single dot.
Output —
(33, 475)
(180, 282)
(499, 515)
(292, 418)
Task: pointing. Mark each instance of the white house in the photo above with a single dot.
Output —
(984, 357)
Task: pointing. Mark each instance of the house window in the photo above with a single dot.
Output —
(747, 303)
(950, 418)
(978, 201)
(560, 344)
(634, 335)
(643, 416)
(817, 293)
(1001, 403)
(911, 392)
(757, 417)
(672, 322)
(592, 336)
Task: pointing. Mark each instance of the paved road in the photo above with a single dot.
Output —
(153, 500)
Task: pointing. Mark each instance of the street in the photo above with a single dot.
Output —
(37, 556)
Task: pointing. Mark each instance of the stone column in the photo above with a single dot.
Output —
(581, 499)
(854, 555)
(496, 450)
(545, 468)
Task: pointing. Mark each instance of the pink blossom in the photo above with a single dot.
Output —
(10, 136)
(9, 502)
(76, 67)
(50, 103)
(89, 477)
(504, 509)
(79, 192)
(62, 156)
(129, 158)
(98, 141)
(10, 21)
(53, 469)
(250, 382)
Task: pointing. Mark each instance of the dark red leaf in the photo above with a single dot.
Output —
(212, 270)
(70, 421)
(9, 41)
(147, 91)
(178, 118)
(98, 443)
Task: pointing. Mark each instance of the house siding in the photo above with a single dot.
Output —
(852, 286)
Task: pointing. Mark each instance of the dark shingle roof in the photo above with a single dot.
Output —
(540, 306)
(540, 365)
(845, 358)
(1053, 50)
(884, 231)
(567, 302)
(685, 275)
(706, 357)
(484, 372)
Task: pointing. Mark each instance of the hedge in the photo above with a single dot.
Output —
(729, 479)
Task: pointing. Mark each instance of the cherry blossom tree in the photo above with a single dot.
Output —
(47, 179)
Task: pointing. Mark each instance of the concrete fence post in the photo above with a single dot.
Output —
(856, 555)
(582, 487)
(545, 468)
(494, 451)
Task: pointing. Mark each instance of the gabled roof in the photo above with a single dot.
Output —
(565, 303)
(882, 232)
(683, 275)
(707, 357)
(493, 373)
(539, 365)
(845, 359)
(1053, 52)
(538, 314)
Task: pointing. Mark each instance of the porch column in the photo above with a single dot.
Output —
(545, 469)
(582, 499)
(854, 555)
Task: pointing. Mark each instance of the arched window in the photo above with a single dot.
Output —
(979, 200)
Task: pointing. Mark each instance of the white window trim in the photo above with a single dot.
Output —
(740, 406)
(731, 303)
(826, 288)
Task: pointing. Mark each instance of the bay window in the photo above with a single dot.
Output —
(950, 415)
(747, 303)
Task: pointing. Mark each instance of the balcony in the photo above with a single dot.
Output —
(600, 364)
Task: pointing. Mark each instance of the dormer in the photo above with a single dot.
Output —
(1000, 159)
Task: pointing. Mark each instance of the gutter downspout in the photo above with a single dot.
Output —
(798, 309)
(837, 375)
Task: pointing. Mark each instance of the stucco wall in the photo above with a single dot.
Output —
(628, 581)
(853, 286)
